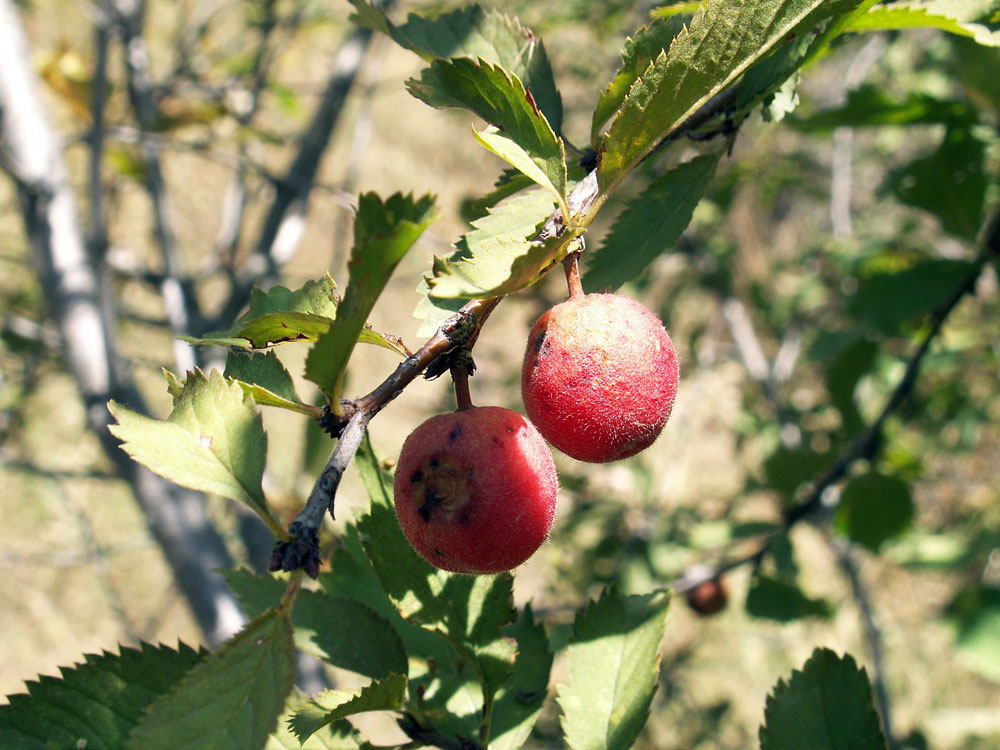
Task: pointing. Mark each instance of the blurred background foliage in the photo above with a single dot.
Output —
(807, 278)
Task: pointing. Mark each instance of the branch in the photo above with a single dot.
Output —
(175, 517)
(457, 333)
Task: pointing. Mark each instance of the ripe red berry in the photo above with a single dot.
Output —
(476, 490)
(600, 377)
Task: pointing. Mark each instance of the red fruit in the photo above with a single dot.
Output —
(600, 377)
(708, 597)
(476, 490)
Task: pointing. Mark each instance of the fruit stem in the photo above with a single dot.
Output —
(571, 264)
(460, 377)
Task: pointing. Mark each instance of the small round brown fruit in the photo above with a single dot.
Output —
(476, 490)
(708, 597)
(600, 377)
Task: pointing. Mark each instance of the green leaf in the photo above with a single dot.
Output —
(95, 704)
(520, 699)
(522, 136)
(842, 376)
(887, 299)
(614, 660)
(874, 508)
(263, 378)
(975, 617)
(383, 233)
(333, 705)
(826, 706)
(722, 42)
(639, 51)
(434, 311)
(469, 611)
(497, 256)
(338, 630)
(475, 33)
(338, 735)
(872, 106)
(775, 599)
(787, 469)
(958, 165)
(650, 223)
(232, 699)
(280, 315)
(954, 16)
(213, 441)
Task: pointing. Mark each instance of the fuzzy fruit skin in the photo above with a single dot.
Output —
(476, 490)
(600, 377)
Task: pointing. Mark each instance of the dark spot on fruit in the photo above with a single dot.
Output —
(417, 476)
(434, 463)
(538, 342)
(456, 432)
(497, 441)
(464, 518)
(431, 501)
(511, 429)
(438, 552)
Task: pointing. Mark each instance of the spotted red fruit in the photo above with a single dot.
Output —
(476, 490)
(600, 377)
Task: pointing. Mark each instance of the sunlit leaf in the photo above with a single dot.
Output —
(264, 378)
(614, 661)
(334, 705)
(520, 699)
(964, 17)
(974, 615)
(383, 233)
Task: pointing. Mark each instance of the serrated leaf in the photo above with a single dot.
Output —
(498, 255)
(963, 17)
(338, 735)
(974, 615)
(872, 106)
(886, 299)
(874, 508)
(520, 699)
(776, 599)
(474, 33)
(434, 311)
(96, 703)
(333, 705)
(383, 233)
(825, 706)
(213, 441)
(614, 661)
(265, 379)
(650, 224)
(341, 631)
(722, 42)
(522, 136)
(469, 611)
(636, 55)
(280, 315)
(958, 164)
(232, 699)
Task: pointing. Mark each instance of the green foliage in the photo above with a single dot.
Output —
(723, 40)
(827, 706)
(964, 17)
(232, 699)
(778, 599)
(614, 657)
(474, 33)
(874, 508)
(974, 615)
(650, 223)
(499, 255)
(521, 135)
(213, 441)
(333, 705)
(520, 698)
(383, 234)
(95, 704)
(262, 377)
(339, 630)
(787, 469)
(869, 106)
